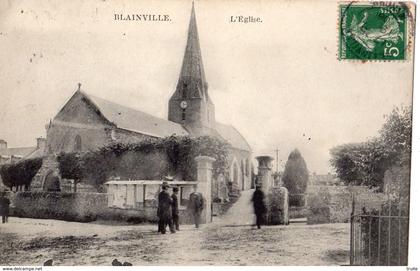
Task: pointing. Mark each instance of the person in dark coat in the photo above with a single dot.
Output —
(196, 206)
(175, 210)
(164, 210)
(258, 198)
(4, 207)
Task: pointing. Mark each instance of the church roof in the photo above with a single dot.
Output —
(134, 120)
(137, 121)
(231, 135)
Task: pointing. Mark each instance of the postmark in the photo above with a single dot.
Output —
(373, 31)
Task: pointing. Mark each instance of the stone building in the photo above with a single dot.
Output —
(87, 122)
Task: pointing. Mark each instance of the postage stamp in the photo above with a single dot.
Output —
(373, 31)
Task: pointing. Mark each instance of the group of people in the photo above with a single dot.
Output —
(168, 211)
(4, 207)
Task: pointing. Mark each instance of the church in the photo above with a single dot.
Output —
(87, 122)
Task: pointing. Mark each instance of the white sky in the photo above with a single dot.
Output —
(273, 81)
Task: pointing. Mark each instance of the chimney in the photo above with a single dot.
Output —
(41, 143)
(3, 144)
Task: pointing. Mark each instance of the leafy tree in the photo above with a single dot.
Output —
(365, 163)
(20, 173)
(296, 175)
(71, 167)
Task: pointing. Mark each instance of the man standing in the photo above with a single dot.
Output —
(164, 210)
(175, 211)
(258, 198)
(4, 207)
(196, 206)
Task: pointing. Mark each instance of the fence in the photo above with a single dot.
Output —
(379, 235)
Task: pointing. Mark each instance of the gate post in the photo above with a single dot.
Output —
(204, 179)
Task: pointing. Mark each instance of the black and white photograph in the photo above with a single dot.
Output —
(206, 133)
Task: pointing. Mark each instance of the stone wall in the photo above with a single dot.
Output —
(49, 166)
(333, 204)
(63, 206)
(81, 207)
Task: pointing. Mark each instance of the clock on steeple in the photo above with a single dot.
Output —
(190, 105)
(183, 104)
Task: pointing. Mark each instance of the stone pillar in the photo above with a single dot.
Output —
(264, 172)
(204, 179)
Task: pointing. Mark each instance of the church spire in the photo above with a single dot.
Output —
(192, 71)
(190, 105)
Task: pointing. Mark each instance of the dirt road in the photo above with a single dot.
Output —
(32, 242)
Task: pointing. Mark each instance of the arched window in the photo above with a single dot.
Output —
(78, 143)
(235, 173)
(247, 167)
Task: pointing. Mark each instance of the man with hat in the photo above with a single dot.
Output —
(4, 207)
(164, 211)
(175, 211)
(196, 206)
(258, 198)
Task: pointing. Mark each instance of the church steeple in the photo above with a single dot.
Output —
(190, 105)
(192, 70)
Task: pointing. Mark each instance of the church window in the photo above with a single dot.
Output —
(78, 143)
(247, 167)
(235, 173)
(183, 114)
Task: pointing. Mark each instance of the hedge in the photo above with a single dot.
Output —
(179, 151)
(20, 173)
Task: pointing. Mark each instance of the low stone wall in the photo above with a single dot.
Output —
(332, 204)
(64, 206)
(81, 207)
(278, 206)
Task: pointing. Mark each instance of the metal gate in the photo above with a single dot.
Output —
(379, 236)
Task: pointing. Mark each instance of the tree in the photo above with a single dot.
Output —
(365, 163)
(296, 175)
(71, 167)
(20, 173)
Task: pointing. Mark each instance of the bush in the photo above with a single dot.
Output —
(297, 200)
(295, 176)
(20, 173)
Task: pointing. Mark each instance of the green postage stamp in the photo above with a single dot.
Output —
(373, 31)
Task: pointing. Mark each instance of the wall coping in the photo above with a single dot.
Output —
(204, 159)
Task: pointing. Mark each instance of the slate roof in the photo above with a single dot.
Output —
(134, 120)
(137, 121)
(230, 134)
(38, 153)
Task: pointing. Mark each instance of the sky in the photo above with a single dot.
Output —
(278, 82)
